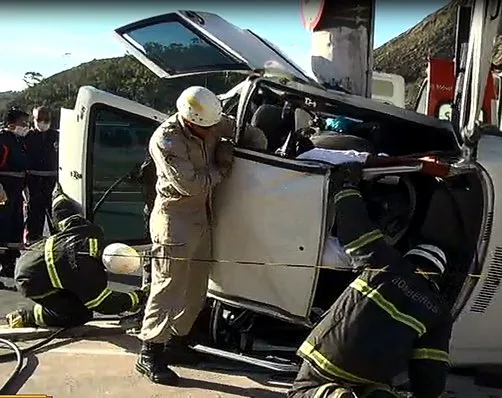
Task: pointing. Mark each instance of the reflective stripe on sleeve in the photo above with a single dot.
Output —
(58, 199)
(98, 300)
(93, 247)
(365, 289)
(362, 241)
(38, 315)
(325, 390)
(346, 193)
(323, 363)
(431, 353)
(134, 299)
(63, 223)
(49, 262)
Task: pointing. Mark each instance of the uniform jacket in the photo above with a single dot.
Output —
(12, 153)
(42, 152)
(71, 260)
(185, 165)
(384, 322)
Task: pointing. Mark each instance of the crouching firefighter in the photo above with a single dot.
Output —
(65, 277)
(391, 318)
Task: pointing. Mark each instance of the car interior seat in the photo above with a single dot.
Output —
(269, 119)
(342, 142)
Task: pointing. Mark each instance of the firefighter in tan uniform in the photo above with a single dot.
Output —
(190, 159)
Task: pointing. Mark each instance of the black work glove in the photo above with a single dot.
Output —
(348, 175)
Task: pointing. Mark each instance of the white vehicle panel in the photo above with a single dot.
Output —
(270, 215)
(484, 306)
(70, 162)
(79, 133)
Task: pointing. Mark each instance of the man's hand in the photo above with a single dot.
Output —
(224, 156)
(348, 175)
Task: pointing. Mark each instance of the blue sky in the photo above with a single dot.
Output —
(56, 38)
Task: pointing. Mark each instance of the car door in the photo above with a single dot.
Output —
(268, 234)
(104, 138)
(186, 43)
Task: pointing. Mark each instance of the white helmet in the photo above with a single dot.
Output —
(120, 258)
(433, 254)
(199, 106)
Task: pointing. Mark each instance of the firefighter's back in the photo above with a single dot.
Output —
(369, 333)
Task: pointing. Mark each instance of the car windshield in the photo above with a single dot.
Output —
(175, 48)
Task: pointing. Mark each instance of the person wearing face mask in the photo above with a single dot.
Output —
(191, 157)
(42, 171)
(13, 164)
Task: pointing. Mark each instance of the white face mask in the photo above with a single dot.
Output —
(42, 126)
(21, 131)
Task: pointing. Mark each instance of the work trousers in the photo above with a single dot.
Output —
(39, 203)
(179, 278)
(309, 385)
(11, 221)
(60, 309)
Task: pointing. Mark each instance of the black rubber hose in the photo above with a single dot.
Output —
(18, 354)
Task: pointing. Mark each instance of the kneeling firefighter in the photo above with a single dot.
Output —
(391, 318)
(64, 275)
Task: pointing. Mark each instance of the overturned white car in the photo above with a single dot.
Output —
(272, 215)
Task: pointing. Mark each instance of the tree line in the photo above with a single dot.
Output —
(122, 76)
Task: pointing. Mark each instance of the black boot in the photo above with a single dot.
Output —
(151, 364)
(178, 352)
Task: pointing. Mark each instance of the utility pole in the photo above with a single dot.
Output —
(342, 42)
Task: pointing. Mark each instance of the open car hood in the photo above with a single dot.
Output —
(187, 42)
(485, 26)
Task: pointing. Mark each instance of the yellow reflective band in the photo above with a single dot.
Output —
(37, 312)
(432, 354)
(323, 363)
(58, 199)
(346, 193)
(93, 247)
(63, 223)
(363, 241)
(362, 287)
(134, 299)
(326, 390)
(98, 300)
(49, 262)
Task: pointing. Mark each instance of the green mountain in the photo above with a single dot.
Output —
(124, 76)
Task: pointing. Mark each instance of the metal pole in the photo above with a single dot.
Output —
(342, 46)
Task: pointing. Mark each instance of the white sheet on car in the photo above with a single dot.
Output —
(334, 255)
(334, 156)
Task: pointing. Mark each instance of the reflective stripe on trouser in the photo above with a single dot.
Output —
(178, 287)
(93, 247)
(38, 315)
(310, 384)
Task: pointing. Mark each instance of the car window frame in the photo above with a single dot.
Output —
(90, 158)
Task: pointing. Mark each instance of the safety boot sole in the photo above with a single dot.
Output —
(166, 377)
